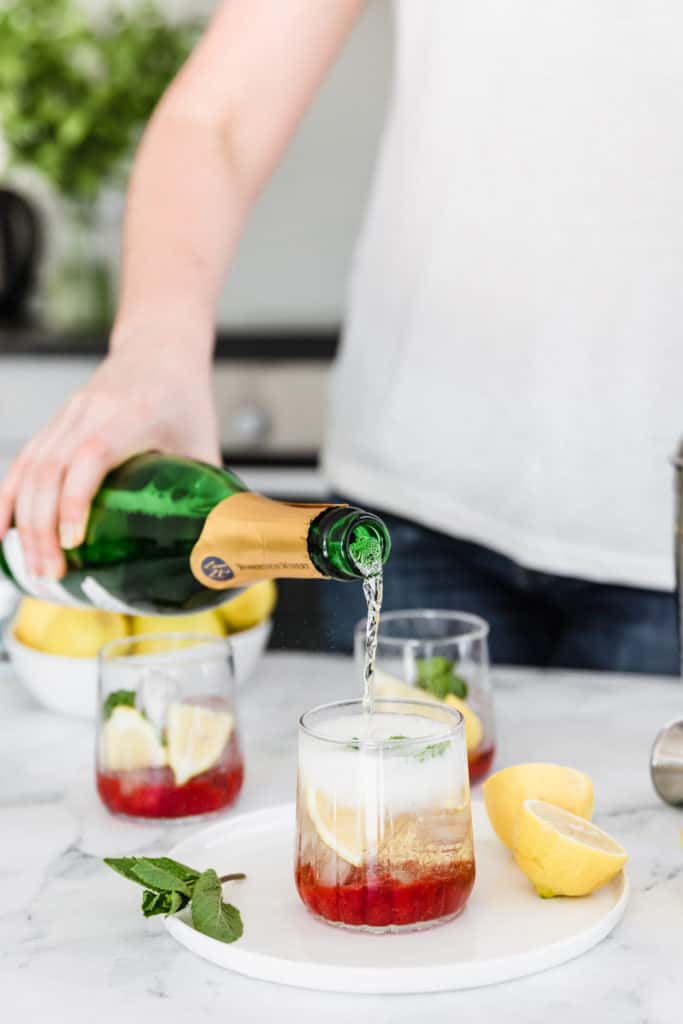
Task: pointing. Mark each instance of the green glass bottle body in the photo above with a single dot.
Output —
(148, 517)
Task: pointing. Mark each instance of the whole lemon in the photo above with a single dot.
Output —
(249, 607)
(80, 633)
(32, 620)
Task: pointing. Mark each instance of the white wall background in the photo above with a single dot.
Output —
(292, 263)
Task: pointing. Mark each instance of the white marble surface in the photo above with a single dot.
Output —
(74, 947)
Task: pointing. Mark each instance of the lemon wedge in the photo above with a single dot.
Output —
(474, 730)
(390, 688)
(506, 791)
(196, 738)
(340, 828)
(562, 854)
(128, 742)
(251, 606)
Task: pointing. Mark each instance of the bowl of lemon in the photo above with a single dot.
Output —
(54, 648)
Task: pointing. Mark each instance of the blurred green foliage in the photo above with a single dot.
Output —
(76, 91)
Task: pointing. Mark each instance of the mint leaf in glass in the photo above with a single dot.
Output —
(437, 676)
(210, 915)
(433, 750)
(118, 699)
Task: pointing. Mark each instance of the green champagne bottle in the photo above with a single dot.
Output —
(170, 535)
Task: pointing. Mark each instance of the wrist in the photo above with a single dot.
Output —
(179, 330)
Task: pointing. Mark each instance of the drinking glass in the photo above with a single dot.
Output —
(384, 831)
(443, 655)
(167, 737)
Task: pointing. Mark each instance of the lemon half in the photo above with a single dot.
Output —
(506, 791)
(196, 738)
(562, 854)
(129, 742)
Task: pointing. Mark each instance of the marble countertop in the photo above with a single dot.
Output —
(74, 947)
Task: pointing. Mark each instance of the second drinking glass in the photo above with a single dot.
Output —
(168, 744)
(442, 656)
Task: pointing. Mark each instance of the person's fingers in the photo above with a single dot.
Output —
(37, 498)
(46, 481)
(89, 466)
(22, 519)
(8, 492)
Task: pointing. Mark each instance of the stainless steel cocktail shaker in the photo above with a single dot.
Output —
(666, 759)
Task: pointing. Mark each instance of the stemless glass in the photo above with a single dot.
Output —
(167, 740)
(441, 654)
(384, 830)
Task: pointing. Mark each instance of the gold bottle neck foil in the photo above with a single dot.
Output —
(247, 538)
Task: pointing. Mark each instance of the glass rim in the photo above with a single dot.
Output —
(199, 640)
(446, 733)
(479, 631)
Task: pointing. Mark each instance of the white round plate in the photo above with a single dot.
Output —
(505, 931)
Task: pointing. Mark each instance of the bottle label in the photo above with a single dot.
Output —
(247, 538)
(94, 594)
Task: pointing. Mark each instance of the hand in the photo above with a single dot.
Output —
(140, 398)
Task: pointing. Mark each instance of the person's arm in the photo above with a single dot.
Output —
(212, 142)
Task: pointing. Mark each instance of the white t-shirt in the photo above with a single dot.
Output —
(512, 366)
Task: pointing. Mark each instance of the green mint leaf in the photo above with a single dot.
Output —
(431, 668)
(459, 686)
(117, 699)
(162, 874)
(174, 867)
(124, 866)
(210, 915)
(433, 750)
(437, 677)
(160, 879)
(163, 902)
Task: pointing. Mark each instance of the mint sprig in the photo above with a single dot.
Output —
(118, 699)
(170, 886)
(438, 677)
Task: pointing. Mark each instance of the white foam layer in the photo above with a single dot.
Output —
(390, 780)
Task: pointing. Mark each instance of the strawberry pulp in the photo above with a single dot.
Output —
(480, 762)
(153, 793)
(373, 898)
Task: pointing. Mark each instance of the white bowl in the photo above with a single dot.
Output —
(69, 685)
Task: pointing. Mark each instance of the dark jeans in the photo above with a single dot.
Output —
(536, 618)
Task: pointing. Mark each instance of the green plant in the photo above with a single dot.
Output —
(76, 92)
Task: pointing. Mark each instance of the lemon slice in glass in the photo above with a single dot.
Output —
(128, 742)
(562, 854)
(340, 828)
(196, 738)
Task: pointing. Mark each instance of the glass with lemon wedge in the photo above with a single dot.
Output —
(440, 657)
(384, 831)
(168, 745)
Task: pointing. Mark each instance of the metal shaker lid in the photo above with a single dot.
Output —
(666, 763)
